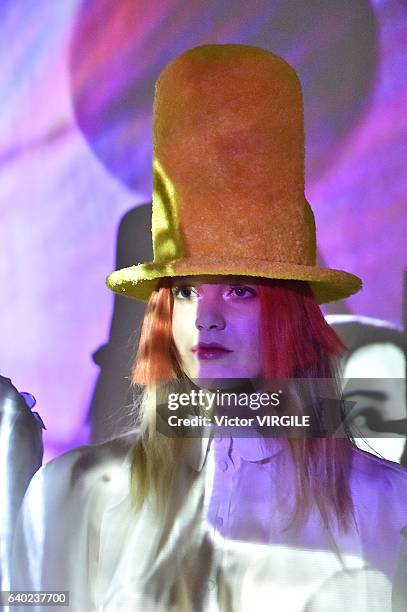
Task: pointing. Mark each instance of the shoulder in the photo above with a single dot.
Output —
(94, 458)
(380, 482)
(82, 482)
(375, 467)
(81, 469)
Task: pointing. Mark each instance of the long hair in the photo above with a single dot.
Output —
(297, 343)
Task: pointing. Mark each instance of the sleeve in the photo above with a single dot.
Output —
(54, 546)
(21, 452)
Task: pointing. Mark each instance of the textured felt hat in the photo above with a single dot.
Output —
(228, 175)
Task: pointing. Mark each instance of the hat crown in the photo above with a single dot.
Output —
(228, 167)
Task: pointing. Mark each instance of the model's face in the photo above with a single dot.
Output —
(222, 310)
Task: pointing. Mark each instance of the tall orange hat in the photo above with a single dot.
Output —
(228, 175)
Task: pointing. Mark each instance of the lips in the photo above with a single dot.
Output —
(211, 350)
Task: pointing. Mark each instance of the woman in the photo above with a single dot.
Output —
(159, 521)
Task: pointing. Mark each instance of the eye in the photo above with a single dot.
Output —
(243, 291)
(182, 292)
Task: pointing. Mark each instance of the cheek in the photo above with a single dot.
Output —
(183, 327)
(248, 331)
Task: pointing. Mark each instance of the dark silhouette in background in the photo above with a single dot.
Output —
(112, 394)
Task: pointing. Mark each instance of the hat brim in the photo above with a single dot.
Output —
(139, 281)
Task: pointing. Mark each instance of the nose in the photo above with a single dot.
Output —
(209, 316)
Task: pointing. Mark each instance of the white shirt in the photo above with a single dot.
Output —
(221, 531)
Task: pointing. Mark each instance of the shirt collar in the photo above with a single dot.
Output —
(250, 449)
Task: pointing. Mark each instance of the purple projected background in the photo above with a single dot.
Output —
(75, 124)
